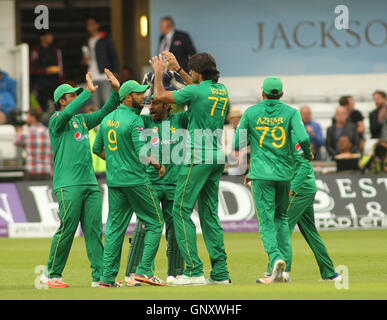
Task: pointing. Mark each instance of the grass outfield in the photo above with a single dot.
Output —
(363, 252)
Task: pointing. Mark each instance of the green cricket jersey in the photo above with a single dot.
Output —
(120, 135)
(207, 109)
(166, 143)
(267, 127)
(304, 180)
(69, 135)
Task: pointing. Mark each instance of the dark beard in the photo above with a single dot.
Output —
(137, 105)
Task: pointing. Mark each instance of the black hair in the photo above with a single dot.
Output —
(96, 19)
(344, 100)
(44, 32)
(204, 64)
(57, 105)
(275, 95)
(168, 18)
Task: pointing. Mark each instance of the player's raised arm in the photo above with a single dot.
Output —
(95, 118)
(68, 100)
(160, 94)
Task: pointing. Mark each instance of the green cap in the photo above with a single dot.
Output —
(131, 86)
(63, 89)
(272, 86)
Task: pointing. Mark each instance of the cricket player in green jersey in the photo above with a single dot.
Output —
(75, 184)
(300, 211)
(163, 128)
(129, 189)
(267, 127)
(198, 178)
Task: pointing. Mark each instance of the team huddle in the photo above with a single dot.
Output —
(161, 182)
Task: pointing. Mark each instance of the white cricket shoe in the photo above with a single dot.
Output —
(224, 282)
(286, 277)
(189, 281)
(131, 282)
(95, 284)
(278, 269)
(171, 279)
(336, 277)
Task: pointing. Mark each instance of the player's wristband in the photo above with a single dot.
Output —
(178, 71)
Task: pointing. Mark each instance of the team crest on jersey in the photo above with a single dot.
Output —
(56, 114)
(139, 129)
(75, 125)
(155, 141)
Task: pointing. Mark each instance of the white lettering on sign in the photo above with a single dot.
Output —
(344, 186)
(5, 213)
(366, 185)
(47, 207)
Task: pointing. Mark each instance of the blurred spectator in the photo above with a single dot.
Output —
(126, 74)
(345, 159)
(344, 146)
(46, 68)
(7, 93)
(377, 161)
(99, 53)
(175, 41)
(355, 117)
(341, 127)
(233, 166)
(98, 163)
(36, 142)
(313, 129)
(378, 117)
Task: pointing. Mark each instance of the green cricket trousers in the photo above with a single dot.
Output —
(271, 199)
(200, 182)
(77, 204)
(122, 202)
(165, 195)
(301, 212)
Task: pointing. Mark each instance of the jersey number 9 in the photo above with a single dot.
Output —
(112, 137)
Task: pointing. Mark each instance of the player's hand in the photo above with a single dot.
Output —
(246, 180)
(161, 171)
(290, 192)
(112, 79)
(158, 64)
(90, 85)
(171, 59)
